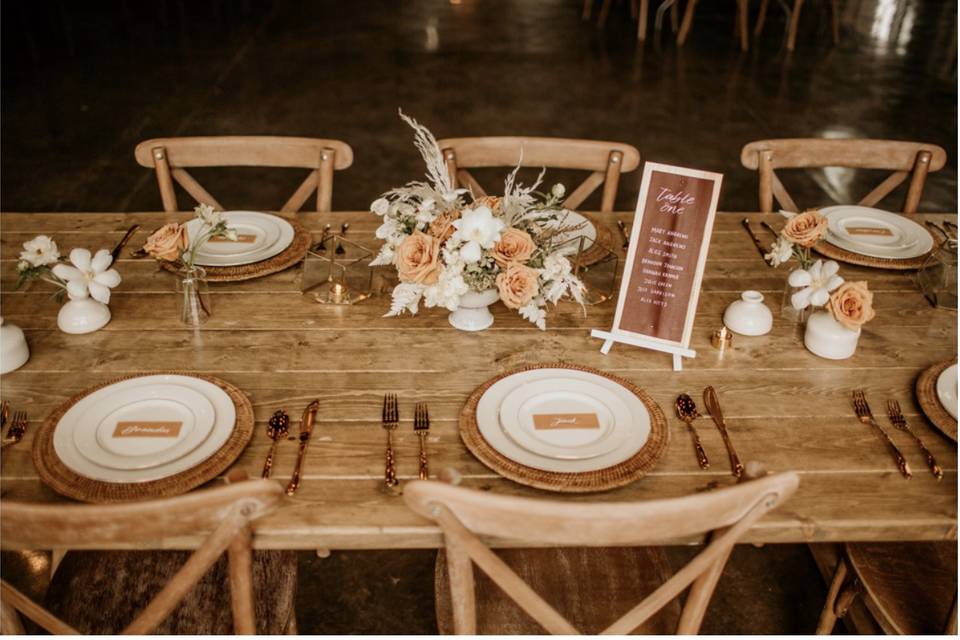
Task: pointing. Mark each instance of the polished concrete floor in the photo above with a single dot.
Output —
(83, 83)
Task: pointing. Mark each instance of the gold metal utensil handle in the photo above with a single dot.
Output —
(295, 479)
(735, 465)
(390, 469)
(424, 469)
(698, 448)
(895, 450)
(268, 463)
(931, 461)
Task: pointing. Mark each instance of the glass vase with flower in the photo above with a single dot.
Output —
(810, 284)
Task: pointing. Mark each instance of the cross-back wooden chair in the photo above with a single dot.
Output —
(912, 160)
(465, 516)
(171, 157)
(225, 512)
(606, 161)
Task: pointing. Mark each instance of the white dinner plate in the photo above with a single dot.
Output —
(528, 410)
(947, 390)
(568, 238)
(488, 422)
(876, 233)
(264, 236)
(122, 431)
(224, 421)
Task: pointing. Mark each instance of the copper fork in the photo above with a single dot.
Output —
(18, 426)
(862, 409)
(896, 417)
(421, 426)
(391, 418)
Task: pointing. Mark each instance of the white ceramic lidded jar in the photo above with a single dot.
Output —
(748, 316)
(827, 338)
(13, 347)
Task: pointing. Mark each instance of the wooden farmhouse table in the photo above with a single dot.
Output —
(785, 407)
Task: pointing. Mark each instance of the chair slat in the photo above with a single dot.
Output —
(465, 178)
(883, 189)
(189, 183)
(582, 192)
(303, 192)
(780, 193)
(35, 612)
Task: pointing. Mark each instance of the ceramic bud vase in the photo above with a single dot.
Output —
(828, 338)
(473, 314)
(748, 316)
(83, 315)
(193, 297)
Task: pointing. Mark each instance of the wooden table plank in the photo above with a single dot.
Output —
(787, 408)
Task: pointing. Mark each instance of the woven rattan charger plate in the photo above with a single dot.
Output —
(290, 256)
(611, 477)
(930, 403)
(834, 252)
(55, 474)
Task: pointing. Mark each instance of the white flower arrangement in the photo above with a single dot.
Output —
(87, 275)
(445, 242)
(815, 284)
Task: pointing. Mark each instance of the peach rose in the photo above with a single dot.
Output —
(514, 246)
(517, 285)
(442, 226)
(805, 229)
(491, 202)
(166, 242)
(852, 305)
(418, 259)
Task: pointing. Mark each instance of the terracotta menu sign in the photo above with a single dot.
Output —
(664, 266)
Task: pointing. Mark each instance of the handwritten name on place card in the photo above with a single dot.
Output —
(566, 421)
(869, 231)
(243, 237)
(153, 429)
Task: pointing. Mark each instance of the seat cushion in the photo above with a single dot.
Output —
(590, 587)
(101, 592)
(910, 586)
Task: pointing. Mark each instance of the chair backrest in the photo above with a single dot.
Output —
(606, 161)
(226, 512)
(465, 514)
(904, 159)
(170, 157)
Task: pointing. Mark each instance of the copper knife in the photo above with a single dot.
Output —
(713, 406)
(123, 242)
(756, 241)
(306, 429)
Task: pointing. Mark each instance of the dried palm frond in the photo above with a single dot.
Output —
(432, 155)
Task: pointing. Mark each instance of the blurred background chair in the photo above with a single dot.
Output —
(793, 20)
(913, 160)
(907, 588)
(606, 161)
(578, 586)
(170, 158)
(165, 592)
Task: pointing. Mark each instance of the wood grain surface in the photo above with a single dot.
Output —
(785, 407)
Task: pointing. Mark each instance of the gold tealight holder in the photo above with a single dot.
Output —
(596, 267)
(337, 271)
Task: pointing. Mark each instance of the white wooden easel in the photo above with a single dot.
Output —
(679, 352)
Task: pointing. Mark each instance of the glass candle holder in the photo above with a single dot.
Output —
(937, 278)
(339, 273)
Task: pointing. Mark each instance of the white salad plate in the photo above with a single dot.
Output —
(947, 390)
(636, 427)
(96, 437)
(268, 235)
(895, 236)
(139, 398)
(568, 238)
(556, 401)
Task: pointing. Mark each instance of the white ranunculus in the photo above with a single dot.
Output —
(817, 282)
(88, 276)
(780, 251)
(478, 229)
(380, 206)
(558, 191)
(209, 217)
(448, 290)
(40, 251)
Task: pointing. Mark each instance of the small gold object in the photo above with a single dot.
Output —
(722, 338)
(338, 274)
(306, 430)
(277, 429)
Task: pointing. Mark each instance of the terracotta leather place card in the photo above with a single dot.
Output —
(241, 238)
(566, 421)
(147, 429)
(869, 231)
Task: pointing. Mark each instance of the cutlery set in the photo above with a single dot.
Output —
(895, 415)
(756, 241)
(687, 412)
(278, 428)
(18, 425)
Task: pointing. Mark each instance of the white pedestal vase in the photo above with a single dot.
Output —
(828, 338)
(84, 315)
(473, 314)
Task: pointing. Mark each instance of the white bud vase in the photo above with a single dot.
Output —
(473, 314)
(827, 338)
(83, 315)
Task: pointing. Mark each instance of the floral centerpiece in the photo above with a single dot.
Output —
(85, 278)
(447, 244)
(172, 243)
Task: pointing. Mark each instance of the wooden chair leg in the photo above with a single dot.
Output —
(634, 11)
(686, 23)
(761, 18)
(291, 628)
(587, 10)
(674, 17)
(642, 20)
(835, 21)
(604, 14)
(742, 21)
(951, 628)
(794, 23)
(828, 616)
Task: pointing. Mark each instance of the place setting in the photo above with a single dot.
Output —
(874, 238)
(936, 391)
